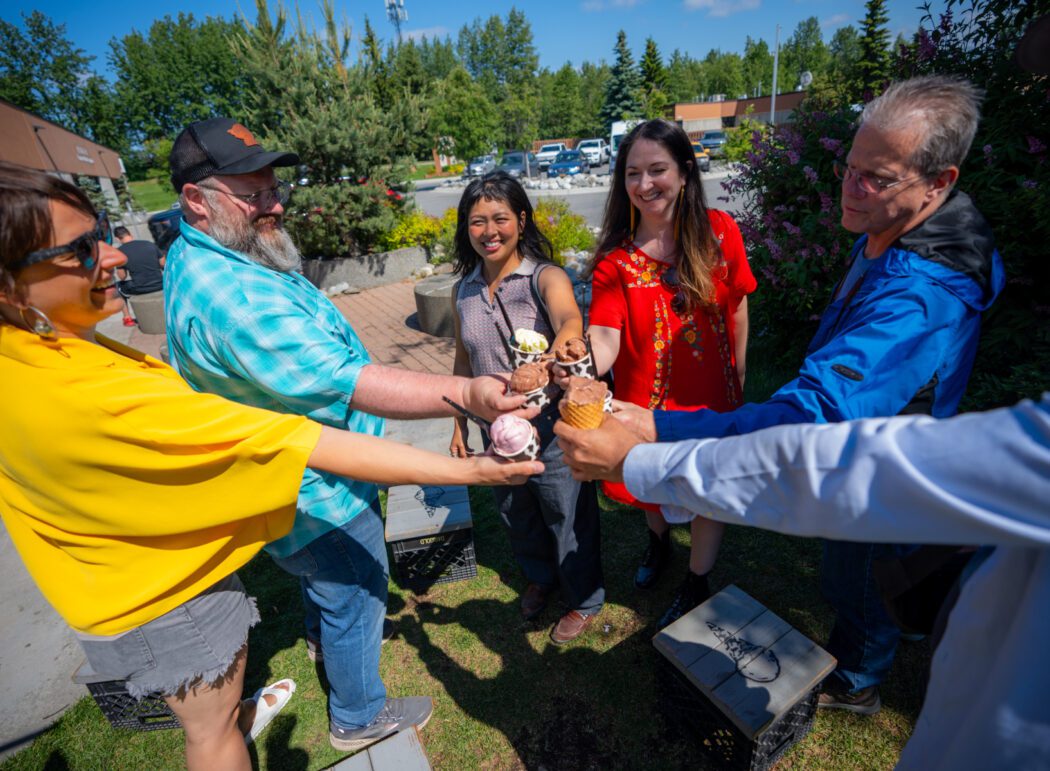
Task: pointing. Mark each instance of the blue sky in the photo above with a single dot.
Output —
(563, 30)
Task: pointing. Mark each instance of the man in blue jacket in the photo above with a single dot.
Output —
(898, 337)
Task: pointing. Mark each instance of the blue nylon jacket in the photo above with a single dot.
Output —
(903, 343)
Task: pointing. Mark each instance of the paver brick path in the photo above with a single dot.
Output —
(385, 320)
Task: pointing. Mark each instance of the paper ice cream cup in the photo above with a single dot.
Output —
(580, 368)
(607, 402)
(520, 357)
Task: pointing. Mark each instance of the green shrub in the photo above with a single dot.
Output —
(739, 139)
(445, 248)
(567, 231)
(341, 219)
(416, 228)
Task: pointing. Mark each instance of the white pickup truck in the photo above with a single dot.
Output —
(595, 150)
(548, 153)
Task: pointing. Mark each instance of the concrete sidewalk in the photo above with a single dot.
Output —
(39, 654)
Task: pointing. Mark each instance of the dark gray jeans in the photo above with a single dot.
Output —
(553, 524)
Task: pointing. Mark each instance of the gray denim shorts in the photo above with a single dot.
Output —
(196, 641)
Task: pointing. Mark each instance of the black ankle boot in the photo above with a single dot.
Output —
(657, 556)
(693, 591)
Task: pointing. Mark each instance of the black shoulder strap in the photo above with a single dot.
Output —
(537, 296)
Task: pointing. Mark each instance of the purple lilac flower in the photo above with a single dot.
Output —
(791, 228)
(1029, 184)
(810, 174)
(927, 46)
(826, 202)
(831, 145)
(1035, 145)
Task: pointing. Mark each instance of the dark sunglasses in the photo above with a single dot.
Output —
(669, 278)
(84, 248)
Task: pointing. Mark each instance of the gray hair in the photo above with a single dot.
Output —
(946, 109)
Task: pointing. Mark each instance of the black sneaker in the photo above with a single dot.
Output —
(866, 701)
(692, 592)
(396, 715)
(657, 557)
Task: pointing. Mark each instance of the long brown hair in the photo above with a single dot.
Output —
(700, 252)
(25, 217)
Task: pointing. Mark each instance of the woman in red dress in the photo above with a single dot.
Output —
(669, 315)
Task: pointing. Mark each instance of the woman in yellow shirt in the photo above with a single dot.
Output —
(131, 498)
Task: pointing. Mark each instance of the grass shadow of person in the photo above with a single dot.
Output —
(588, 705)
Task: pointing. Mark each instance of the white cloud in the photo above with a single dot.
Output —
(720, 8)
(592, 6)
(428, 32)
(835, 21)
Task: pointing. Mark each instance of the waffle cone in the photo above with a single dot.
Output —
(582, 415)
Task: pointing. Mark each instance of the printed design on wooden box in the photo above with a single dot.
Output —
(761, 668)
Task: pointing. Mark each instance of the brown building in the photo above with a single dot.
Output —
(711, 116)
(29, 140)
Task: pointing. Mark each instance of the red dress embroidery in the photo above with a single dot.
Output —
(666, 360)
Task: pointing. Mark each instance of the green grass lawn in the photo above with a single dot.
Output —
(506, 698)
(149, 195)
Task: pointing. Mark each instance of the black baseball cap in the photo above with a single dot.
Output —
(219, 146)
(1033, 52)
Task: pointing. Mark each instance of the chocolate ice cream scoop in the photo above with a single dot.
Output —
(573, 349)
(529, 377)
(584, 390)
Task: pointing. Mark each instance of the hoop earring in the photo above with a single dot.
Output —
(41, 325)
(678, 214)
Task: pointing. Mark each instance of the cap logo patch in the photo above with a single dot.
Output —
(243, 134)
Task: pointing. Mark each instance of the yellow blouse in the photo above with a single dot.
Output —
(126, 492)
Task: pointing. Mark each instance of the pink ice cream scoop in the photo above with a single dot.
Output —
(510, 435)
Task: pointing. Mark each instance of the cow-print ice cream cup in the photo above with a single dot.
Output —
(531, 450)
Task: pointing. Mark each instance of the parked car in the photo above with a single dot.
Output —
(714, 142)
(514, 163)
(703, 158)
(548, 153)
(595, 150)
(568, 163)
(164, 227)
(481, 165)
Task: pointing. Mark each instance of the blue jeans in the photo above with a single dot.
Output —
(344, 575)
(553, 523)
(863, 639)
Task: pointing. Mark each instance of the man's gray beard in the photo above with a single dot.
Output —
(273, 250)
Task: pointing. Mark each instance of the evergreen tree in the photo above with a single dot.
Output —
(683, 77)
(874, 63)
(439, 58)
(622, 90)
(302, 95)
(724, 74)
(374, 65)
(654, 82)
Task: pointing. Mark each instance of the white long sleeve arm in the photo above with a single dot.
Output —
(981, 478)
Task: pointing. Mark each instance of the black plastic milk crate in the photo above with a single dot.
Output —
(430, 533)
(436, 559)
(739, 680)
(121, 709)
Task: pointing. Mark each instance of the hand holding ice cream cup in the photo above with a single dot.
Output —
(527, 347)
(533, 381)
(514, 438)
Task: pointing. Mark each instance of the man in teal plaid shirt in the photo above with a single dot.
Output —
(244, 323)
